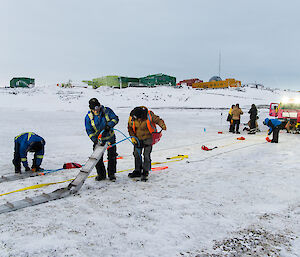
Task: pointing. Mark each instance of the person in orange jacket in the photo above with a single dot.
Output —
(141, 124)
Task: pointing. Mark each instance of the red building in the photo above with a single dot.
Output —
(189, 82)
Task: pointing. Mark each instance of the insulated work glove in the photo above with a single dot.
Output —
(134, 141)
(107, 128)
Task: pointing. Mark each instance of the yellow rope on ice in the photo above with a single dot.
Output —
(173, 159)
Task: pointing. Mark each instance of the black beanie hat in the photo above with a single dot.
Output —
(139, 113)
(93, 103)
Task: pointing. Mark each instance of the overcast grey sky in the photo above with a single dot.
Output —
(57, 40)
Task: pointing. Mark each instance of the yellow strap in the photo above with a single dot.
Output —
(179, 157)
(91, 116)
(40, 156)
(174, 159)
(34, 187)
(23, 159)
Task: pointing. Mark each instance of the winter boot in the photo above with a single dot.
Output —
(112, 178)
(251, 132)
(144, 176)
(98, 178)
(135, 174)
(17, 166)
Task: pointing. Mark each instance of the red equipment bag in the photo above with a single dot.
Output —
(241, 138)
(205, 148)
(156, 137)
(268, 139)
(71, 165)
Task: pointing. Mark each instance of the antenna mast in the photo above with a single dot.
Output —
(220, 63)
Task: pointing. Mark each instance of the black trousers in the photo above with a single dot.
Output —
(17, 159)
(112, 163)
(252, 124)
(236, 125)
(275, 134)
(231, 126)
(145, 149)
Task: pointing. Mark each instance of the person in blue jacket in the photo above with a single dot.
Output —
(101, 118)
(28, 142)
(274, 126)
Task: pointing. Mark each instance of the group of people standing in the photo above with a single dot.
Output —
(234, 118)
(141, 124)
(101, 119)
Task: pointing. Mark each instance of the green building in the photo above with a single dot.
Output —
(158, 80)
(110, 81)
(22, 82)
(128, 81)
(123, 82)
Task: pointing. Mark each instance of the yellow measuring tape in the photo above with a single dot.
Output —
(173, 159)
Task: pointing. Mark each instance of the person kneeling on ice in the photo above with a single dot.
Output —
(28, 142)
(141, 124)
(274, 126)
(101, 118)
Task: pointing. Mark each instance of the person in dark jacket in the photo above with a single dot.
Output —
(141, 124)
(253, 118)
(28, 142)
(101, 118)
(274, 127)
(229, 118)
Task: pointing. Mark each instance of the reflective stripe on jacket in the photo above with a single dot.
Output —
(150, 124)
(94, 124)
(143, 129)
(24, 140)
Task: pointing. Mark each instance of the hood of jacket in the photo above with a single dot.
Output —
(266, 121)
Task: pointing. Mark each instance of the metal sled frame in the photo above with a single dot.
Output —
(72, 188)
